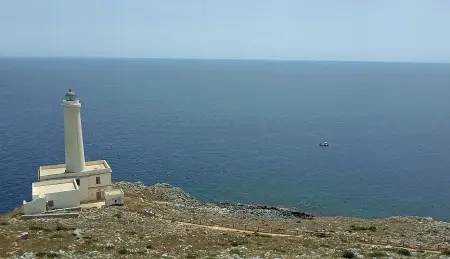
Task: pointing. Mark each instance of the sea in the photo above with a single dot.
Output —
(241, 131)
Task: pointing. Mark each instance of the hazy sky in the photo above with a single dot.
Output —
(372, 30)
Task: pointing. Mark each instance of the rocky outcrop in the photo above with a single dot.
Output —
(167, 193)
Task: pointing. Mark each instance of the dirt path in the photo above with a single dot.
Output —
(400, 247)
(412, 249)
(371, 243)
(234, 229)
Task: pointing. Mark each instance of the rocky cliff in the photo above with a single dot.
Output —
(162, 221)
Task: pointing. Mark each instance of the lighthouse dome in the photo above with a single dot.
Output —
(71, 96)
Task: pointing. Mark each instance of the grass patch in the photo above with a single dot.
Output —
(377, 254)
(60, 227)
(52, 255)
(234, 243)
(362, 228)
(236, 252)
(238, 242)
(322, 235)
(348, 254)
(56, 235)
(16, 213)
(118, 215)
(446, 252)
(279, 250)
(404, 251)
(262, 235)
(310, 243)
(47, 254)
(108, 246)
(89, 240)
(37, 228)
(191, 255)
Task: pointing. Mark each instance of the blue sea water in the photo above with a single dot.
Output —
(241, 131)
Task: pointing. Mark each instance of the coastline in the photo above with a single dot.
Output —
(162, 221)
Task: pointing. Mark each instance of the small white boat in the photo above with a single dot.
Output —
(324, 144)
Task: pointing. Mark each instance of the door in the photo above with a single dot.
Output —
(99, 196)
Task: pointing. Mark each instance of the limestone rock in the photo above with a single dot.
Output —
(24, 235)
(77, 234)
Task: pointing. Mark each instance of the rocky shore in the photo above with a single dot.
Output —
(168, 193)
(162, 221)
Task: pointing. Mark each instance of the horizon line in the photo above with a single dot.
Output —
(222, 59)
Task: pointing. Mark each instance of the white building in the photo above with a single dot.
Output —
(67, 185)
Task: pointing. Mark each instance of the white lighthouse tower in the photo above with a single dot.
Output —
(73, 135)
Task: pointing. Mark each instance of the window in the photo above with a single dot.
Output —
(78, 182)
(51, 204)
(97, 180)
(99, 195)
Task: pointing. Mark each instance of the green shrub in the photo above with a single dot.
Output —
(149, 246)
(236, 252)
(348, 254)
(60, 227)
(239, 242)
(56, 235)
(404, 251)
(48, 254)
(234, 243)
(446, 252)
(191, 255)
(4, 223)
(108, 246)
(37, 228)
(261, 235)
(377, 254)
(362, 228)
(124, 251)
(279, 250)
(52, 255)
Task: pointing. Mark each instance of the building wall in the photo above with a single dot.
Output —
(61, 200)
(114, 199)
(35, 206)
(93, 192)
(83, 186)
(89, 187)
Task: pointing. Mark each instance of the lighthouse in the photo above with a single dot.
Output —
(73, 135)
(77, 181)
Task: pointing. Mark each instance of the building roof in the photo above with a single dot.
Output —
(114, 192)
(55, 171)
(53, 186)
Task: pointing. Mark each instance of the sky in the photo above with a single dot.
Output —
(362, 30)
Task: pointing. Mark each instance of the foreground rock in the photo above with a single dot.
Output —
(162, 221)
